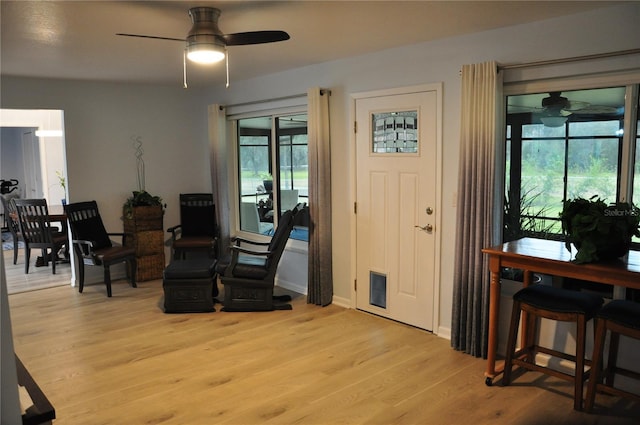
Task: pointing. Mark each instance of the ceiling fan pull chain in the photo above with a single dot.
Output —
(184, 69)
(226, 56)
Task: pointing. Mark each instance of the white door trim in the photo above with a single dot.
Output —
(437, 87)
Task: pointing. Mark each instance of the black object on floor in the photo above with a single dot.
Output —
(190, 286)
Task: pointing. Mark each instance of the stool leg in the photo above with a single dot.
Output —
(511, 342)
(596, 361)
(579, 373)
(530, 337)
(612, 361)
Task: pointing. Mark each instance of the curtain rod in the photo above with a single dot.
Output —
(572, 59)
(274, 99)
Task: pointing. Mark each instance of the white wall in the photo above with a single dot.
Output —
(100, 118)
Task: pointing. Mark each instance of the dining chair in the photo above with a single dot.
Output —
(37, 232)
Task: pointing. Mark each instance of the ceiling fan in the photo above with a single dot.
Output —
(206, 44)
(555, 109)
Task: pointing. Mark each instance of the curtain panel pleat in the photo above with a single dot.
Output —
(475, 203)
(320, 274)
(219, 171)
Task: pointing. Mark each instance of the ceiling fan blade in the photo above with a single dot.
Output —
(152, 36)
(254, 37)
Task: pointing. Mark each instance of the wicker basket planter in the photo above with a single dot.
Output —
(145, 225)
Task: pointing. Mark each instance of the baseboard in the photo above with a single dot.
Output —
(341, 302)
(444, 332)
(291, 286)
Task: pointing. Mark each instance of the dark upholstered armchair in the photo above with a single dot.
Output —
(248, 274)
(92, 244)
(11, 217)
(37, 232)
(197, 230)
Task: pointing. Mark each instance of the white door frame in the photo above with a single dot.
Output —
(437, 87)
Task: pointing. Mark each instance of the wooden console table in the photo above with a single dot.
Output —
(42, 411)
(547, 257)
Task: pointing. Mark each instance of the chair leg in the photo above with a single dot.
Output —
(53, 260)
(27, 259)
(107, 280)
(81, 273)
(596, 361)
(15, 251)
(133, 265)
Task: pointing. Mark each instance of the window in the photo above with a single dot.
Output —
(265, 144)
(563, 145)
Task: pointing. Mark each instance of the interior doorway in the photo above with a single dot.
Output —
(32, 151)
(33, 160)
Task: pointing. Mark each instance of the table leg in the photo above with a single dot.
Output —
(494, 320)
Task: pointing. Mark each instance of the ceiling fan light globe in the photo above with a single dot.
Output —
(205, 53)
(553, 121)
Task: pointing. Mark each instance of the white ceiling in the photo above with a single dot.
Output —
(76, 39)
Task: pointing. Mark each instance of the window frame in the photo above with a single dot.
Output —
(273, 146)
(627, 152)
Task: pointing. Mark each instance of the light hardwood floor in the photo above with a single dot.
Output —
(123, 361)
(37, 278)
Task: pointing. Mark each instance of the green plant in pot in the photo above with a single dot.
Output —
(598, 230)
(140, 198)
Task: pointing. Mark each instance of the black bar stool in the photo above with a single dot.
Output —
(620, 318)
(541, 301)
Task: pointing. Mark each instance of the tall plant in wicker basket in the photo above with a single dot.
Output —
(142, 214)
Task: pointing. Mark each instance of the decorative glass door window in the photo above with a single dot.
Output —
(395, 132)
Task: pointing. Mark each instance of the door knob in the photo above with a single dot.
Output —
(427, 228)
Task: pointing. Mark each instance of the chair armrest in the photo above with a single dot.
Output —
(238, 249)
(85, 247)
(173, 229)
(240, 240)
(235, 254)
(121, 234)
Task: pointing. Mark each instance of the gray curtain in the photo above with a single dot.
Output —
(219, 171)
(320, 284)
(476, 216)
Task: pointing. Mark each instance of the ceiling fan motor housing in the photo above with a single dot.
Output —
(205, 27)
(555, 101)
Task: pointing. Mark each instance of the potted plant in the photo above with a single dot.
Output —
(140, 198)
(598, 230)
(62, 181)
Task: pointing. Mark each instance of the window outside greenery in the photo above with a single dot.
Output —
(547, 165)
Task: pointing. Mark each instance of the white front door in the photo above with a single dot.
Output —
(397, 146)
